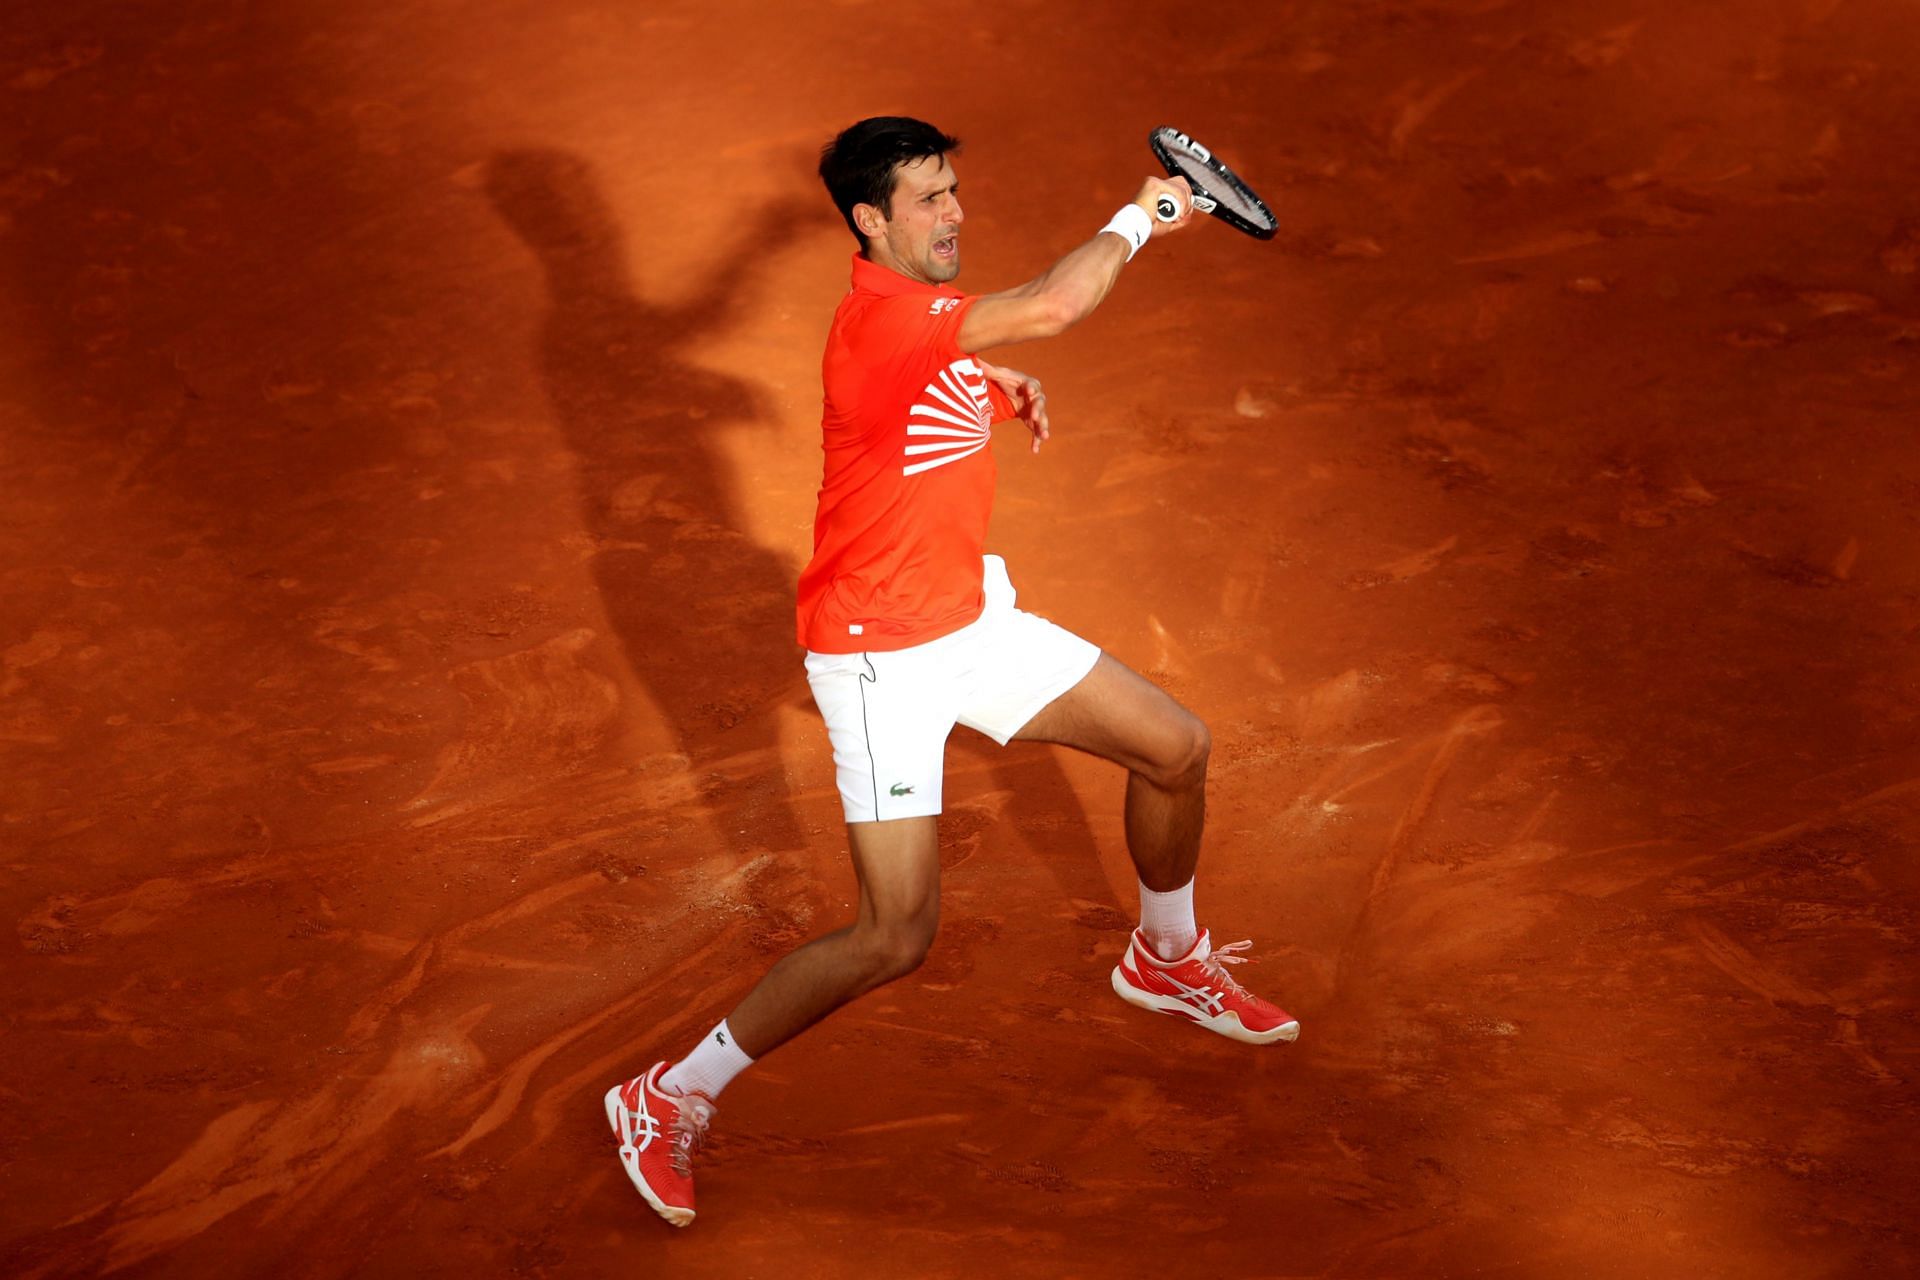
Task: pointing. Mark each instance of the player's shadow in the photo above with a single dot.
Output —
(1045, 810)
(705, 613)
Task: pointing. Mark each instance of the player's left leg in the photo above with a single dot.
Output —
(1170, 965)
(1119, 715)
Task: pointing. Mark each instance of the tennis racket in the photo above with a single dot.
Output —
(1217, 189)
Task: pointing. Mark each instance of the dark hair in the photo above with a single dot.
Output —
(858, 166)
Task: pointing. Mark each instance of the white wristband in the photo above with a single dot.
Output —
(1133, 225)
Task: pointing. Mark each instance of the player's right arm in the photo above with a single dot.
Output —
(1067, 292)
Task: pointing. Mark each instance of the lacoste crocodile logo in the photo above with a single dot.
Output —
(898, 790)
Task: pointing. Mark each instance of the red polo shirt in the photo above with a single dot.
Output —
(908, 482)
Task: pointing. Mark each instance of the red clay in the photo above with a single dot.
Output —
(408, 434)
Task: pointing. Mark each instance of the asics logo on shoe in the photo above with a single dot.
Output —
(1199, 997)
(638, 1128)
(899, 789)
(1158, 980)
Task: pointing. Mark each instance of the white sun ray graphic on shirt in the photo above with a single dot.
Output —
(950, 420)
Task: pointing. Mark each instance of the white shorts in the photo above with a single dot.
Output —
(888, 714)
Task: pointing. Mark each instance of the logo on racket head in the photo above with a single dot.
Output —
(1193, 149)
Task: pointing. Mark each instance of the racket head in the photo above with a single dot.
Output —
(1217, 189)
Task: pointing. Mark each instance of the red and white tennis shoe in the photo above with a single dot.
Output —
(659, 1133)
(1197, 987)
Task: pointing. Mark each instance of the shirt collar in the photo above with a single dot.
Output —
(871, 277)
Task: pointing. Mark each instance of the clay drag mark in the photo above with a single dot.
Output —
(1743, 967)
(408, 432)
(1475, 720)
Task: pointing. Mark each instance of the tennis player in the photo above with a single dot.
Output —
(910, 628)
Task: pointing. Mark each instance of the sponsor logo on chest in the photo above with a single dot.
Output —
(950, 420)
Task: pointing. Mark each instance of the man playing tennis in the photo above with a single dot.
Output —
(910, 629)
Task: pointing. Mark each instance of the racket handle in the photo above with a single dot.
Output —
(1166, 208)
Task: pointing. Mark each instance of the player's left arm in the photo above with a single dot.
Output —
(1023, 392)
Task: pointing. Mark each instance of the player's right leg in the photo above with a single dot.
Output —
(660, 1117)
(888, 716)
(898, 866)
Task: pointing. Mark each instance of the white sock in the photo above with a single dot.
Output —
(1166, 921)
(712, 1065)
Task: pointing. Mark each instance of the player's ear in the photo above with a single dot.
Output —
(871, 220)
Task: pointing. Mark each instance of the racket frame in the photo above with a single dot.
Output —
(1206, 199)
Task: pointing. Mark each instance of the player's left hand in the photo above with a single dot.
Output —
(1023, 389)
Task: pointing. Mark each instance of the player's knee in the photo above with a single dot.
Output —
(1185, 762)
(896, 950)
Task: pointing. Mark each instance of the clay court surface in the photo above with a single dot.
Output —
(409, 436)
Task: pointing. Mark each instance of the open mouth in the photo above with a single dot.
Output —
(946, 248)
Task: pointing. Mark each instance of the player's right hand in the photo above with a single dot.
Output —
(1182, 195)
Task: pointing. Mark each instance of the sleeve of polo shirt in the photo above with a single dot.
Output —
(917, 343)
(921, 331)
(937, 338)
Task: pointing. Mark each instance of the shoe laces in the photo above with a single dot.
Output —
(688, 1131)
(1216, 964)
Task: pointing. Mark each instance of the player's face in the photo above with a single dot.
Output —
(922, 232)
